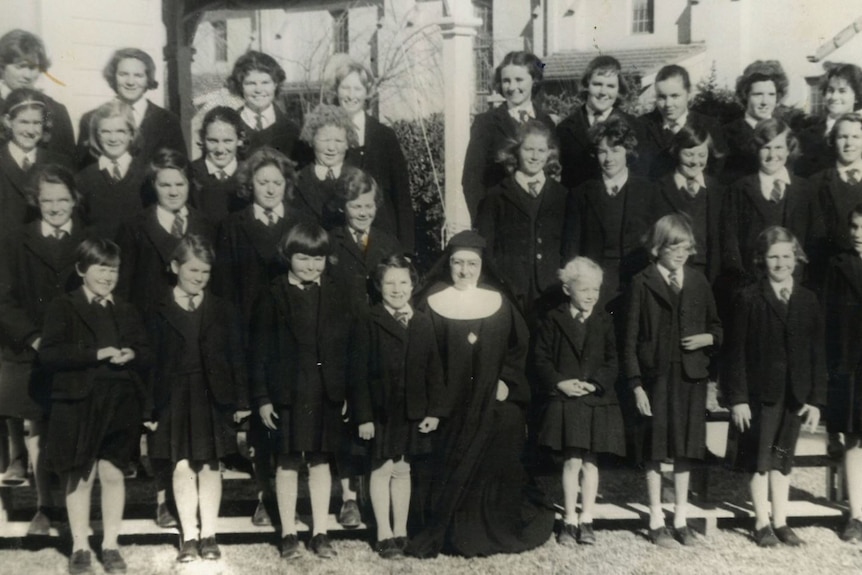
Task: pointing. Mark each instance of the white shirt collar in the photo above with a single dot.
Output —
(260, 212)
(677, 124)
(123, 162)
(166, 218)
(91, 296)
(681, 180)
(574, 311)
(4, 90)
(665, 274)
(526, 107)
(619, 180)
(295, 281)
(182, 298)
(594, 117)
(768, 181)
(359, 124)
(18, 154)
(139, 110)
(777, 287)
(829, 123)
(406, 309)
(524, 180)
(267, 117)
(320, 170)
(48, 230)
(842, 170)
(751, 120)
(229, 169)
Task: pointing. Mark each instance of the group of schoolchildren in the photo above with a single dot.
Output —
(194, 298)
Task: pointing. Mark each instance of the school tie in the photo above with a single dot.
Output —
(270, 217)
(580, 329)
(402, 317)
(692, 187)
(361, 239)
(674, 282)
(672, 127)
(191, 306)
(330, 175)
(178, 226)
(100, 301)
(258, 122)
(307, 285)
(523, 116)
(26, 164)
(59, 234)
(115, 171)
(613, 190)
(777, 191)
(784, 295)
(221, 175)
(534, 188)
(852, 176)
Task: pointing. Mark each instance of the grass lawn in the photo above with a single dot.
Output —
(621, 548)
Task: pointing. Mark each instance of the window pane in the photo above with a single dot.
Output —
(642, 16)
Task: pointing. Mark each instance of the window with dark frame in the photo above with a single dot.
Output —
(643, 16)
(483, 46)
(340, 31)
(220, 40)
(815, 95)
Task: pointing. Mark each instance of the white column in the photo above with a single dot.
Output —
(458, 31)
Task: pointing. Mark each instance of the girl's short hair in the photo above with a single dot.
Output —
(21, 99)
(508, 154)
(775, 235)
(579, 267)
(109, 73)
(669, 230)
(355, 182)
(850, 73)
(50, 174)
(767, 130)
(96, 251)
(347, 68)
(228, 116)
(17, 45)
(856, 212)
(762, 71)
(260, 158)
(674, 71)
(618, 132)
(253, 61)
(112, 109)
(304, 237)
(394, 261)
(605, 66)
(850, 117)
(193, 246)
(328, 115)
(694, 133)
(528, 60)
(167, 159)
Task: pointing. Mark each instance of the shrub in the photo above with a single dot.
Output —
(716, 101)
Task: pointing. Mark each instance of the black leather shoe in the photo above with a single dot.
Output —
(786, 535)
(388, 549)
(209, 549)
(80, 562)
(164, 518)
(765, 537)
(586, 535)
(661, 537)
(189, 551)
(568, 536)
(112, 561)
(290, 547)
(321, 546)
(853, 531)
(349, 516)
(261, 516)
(685, 535)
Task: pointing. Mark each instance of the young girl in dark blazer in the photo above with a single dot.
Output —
(215, 189)
(303, 340)
(771, 196)
(37, 264)
(399, 400)
(671, 332)
(199, 392)
(113, 186)
(149, 238)
(843, 304)
(26, 124)
(523, 218)
(518, 79)
(575, 355)
(774, 377)
(96, 348)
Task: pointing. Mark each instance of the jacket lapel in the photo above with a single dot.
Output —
(564, 319)
(83, 309)
(344, 236)
(851, 267)
(158, 236)
(671, 193)
(792, 197)
(769, 294)
(384, 319)
(513, 194)
(17, 176)
(655, 282)
(751, 189)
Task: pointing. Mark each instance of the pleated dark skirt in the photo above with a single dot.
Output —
(569, 423)
(770, 443)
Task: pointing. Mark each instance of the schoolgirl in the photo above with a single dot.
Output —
(575, 356)
(399, 400)
(302, 343)
(97, 349)
(523, 217)
(672, 329)
(518, 79)
(199, 391)
(774, 377)
(215, 189)
(36, 265)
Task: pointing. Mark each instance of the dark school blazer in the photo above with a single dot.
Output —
(670, 201)
(69, 345)
(213, 197)
(315, 200)
(836, 199)
(490, 132)
(14, 208)
(745, 218)
(159, 128)
(817, 153)
(283, 135)
(399, 358)
(146, 248)
(557, 357)
(842, 302)
(351, 267)
(221, 351)
(273, 347)
(33, 271)
(62, 139)
(649, 317)
(654, 158)
(105, 204)
(577, 153)
(741, 159)
(383, 158)
(752, 367)
(523, 246)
